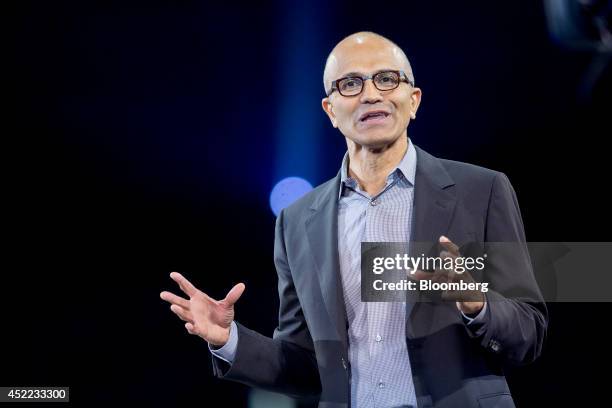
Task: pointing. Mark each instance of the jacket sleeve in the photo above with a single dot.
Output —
(285, 363)
(516, 320)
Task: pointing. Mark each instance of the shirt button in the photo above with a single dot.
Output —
(381, 385)
(495, 346)
(373, 203)
(378, 338)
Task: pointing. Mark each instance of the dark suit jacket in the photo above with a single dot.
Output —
(453, 365)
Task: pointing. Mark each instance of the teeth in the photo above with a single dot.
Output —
(374, 115)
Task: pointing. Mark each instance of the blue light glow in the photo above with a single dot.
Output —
(287, 191)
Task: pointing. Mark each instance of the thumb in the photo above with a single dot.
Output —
(234, 294)
(421, 275)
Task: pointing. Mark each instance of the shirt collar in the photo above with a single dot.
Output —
(407, 167)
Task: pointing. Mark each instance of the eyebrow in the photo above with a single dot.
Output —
(361, 74)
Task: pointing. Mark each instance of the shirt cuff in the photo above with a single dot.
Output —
(228, 351)
(478, 318)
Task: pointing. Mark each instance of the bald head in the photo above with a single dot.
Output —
(352, 49)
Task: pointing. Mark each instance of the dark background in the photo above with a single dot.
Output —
(145, 137)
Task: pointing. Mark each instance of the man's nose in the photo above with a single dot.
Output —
(370, 93)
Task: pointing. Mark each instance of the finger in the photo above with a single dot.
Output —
(452, 295)
(463, 295)
(183, 314)
(180, 280)
(464, 276)
(444, 254)
(446, 271)
(190, 328)
(184, 284)
(234, 294)
(441, 275)
(449, 245)
(422, 275)
(176, 300)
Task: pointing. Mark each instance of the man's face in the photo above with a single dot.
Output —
(350, 113)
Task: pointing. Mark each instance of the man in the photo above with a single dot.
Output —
(329, 343)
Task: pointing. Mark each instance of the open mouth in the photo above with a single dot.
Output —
(373, 117)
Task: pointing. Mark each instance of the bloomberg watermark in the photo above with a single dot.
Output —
(540, 271)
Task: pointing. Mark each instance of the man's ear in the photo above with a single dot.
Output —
(415, 101)
(329, 110)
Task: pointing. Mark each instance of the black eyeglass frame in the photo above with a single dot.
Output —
(401, 74)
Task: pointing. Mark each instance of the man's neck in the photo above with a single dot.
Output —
(370, 167)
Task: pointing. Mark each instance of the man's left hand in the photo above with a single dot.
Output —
(469, 302)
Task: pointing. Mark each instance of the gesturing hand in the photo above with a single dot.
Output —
(204, 316)
(468, 301)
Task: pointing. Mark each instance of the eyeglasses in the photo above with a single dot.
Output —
(383, 81)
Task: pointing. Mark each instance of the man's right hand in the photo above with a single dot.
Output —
(204, 316)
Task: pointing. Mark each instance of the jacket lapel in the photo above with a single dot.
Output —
(322, 231)
(434, 204)
(434, 199)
